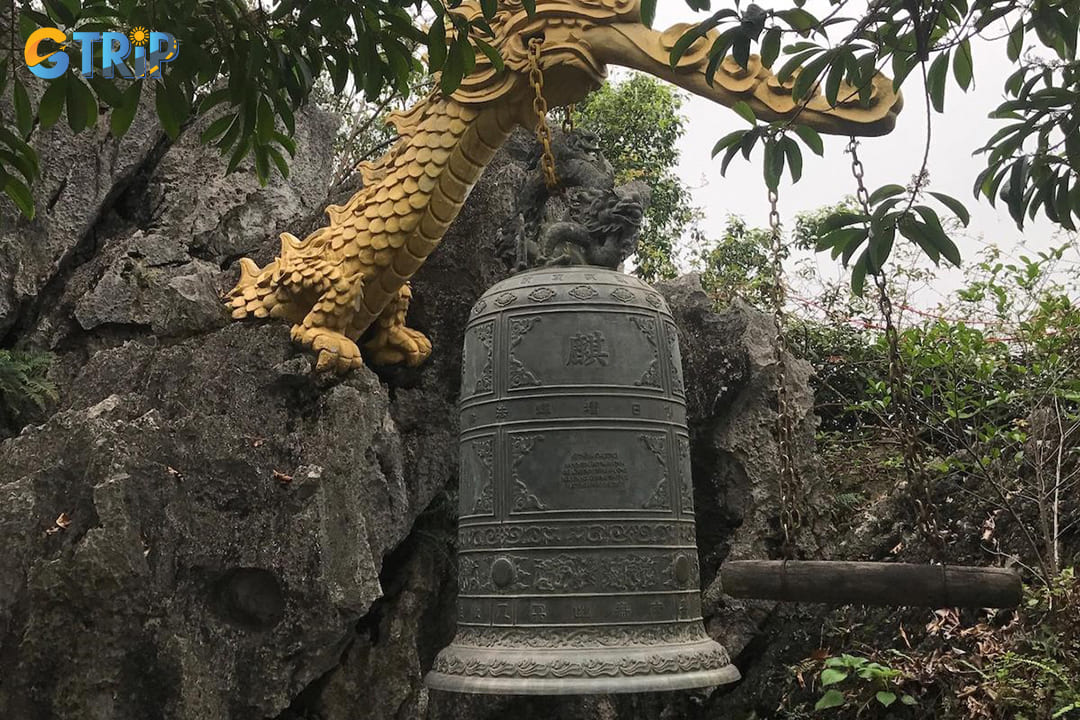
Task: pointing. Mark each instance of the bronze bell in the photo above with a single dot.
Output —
(577, 563)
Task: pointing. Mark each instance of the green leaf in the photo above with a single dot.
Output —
(242, 149)
(902, 65)
(530, 7)
(794, 158)
(52, 102)
(795, 62)
(436, 44)
(798, 19)
(286, 142)
(839, 220)
(935, 81)
(648, 12)
(1016, 41)
(810, 138)
(955, 206)
(217, 128)
(81, 106)
(858, 284)
(878, 222)
(840, 239)
(122, 115)
(492, 54)
(885, 191)
(832, 82)
(908, 700)
(264, 123)
(468, 54)
(681, 45)
(213, 99)
(454, 69)
(740, 50)
(774, 165)
(167, 112)
(262, 164)
(880, 248)
(770, 47)
(727, 141)
(339, 74)
(916, 232)
(285, 112)
(832, 698)
(729, 155)
(962, 65)
(20, 195)
(21, 156)
(885, 698)
(936, 235)
(60, 12)
(24, 114)
(279, 160)
(107, 90)
(808, 76)
(745, 111)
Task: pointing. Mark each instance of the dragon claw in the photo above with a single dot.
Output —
(397, 345)
(337, 353)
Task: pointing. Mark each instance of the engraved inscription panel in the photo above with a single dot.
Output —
(598, 469)
(477, 362)
(590, 348)
(476, 494)
(590, 469)
(686, 486)
(675, 369)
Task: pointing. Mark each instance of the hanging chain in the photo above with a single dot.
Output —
(788, 479)
(859, 171)
(897, 387)
(543, 132)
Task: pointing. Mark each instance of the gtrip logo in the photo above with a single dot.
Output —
(137, 54)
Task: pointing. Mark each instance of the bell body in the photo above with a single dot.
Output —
(577, 564)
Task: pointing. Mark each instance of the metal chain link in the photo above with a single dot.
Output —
(543, 132)
(897, 388)
(788, 479)
(858, 171)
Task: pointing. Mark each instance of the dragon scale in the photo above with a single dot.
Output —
(381, 236)
(349, 279)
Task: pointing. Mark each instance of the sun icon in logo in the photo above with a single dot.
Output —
(139, 35)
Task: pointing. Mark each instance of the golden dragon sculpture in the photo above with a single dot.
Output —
(348, 282)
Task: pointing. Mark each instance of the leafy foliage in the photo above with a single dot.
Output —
(248, 67)
(737, 265)
(865, 681)
(638, 121)
(1038, 675)
(1032, 163)
(24, 385)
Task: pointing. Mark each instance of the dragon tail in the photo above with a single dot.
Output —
(260, 292)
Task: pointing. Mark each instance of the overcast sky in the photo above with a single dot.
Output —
(894, 158)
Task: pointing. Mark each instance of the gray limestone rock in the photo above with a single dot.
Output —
(81, 177)
(205, 530)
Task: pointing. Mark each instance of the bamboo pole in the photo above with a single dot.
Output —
(871, 583)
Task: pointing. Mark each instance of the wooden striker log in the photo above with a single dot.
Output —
(871, 583)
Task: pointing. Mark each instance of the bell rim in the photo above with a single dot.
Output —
(668, 682)
(595, 670)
